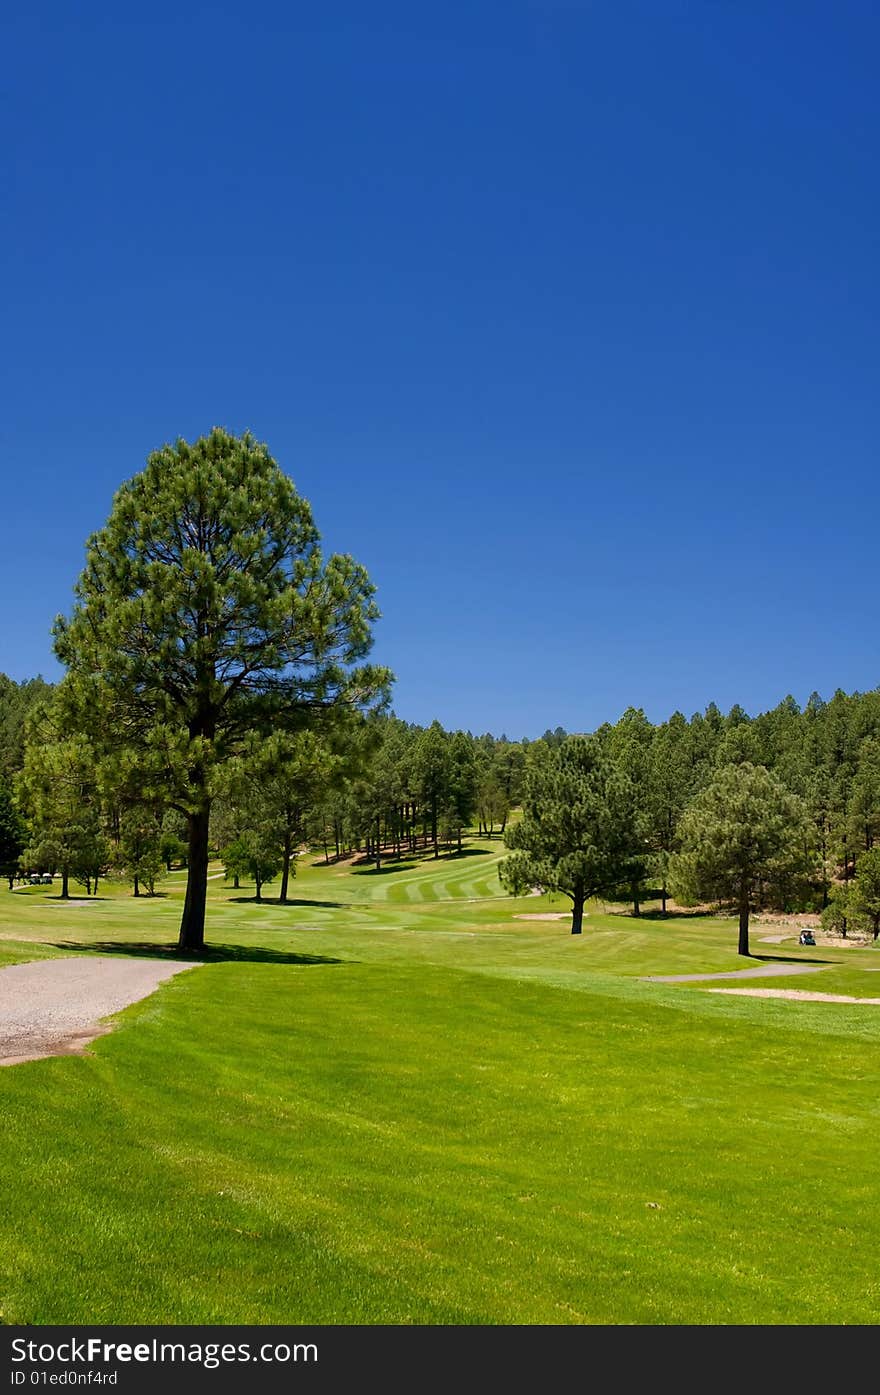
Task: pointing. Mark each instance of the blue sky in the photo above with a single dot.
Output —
(563, 316)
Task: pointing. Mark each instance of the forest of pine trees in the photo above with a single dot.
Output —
(386, 788)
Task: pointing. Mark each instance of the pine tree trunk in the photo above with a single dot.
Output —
(235, 883)
(259, 884)
(663, 895)
(192, 924)
(744, 922)
(137, 887)
(378, 843)
(434, 827)
(65, 889)
(285, 866)
(577, 913)
(637, 910)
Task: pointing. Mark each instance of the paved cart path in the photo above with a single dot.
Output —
(53, 1007)
(759, 971)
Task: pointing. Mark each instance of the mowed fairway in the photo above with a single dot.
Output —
(394, 1101)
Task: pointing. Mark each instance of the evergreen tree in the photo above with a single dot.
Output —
(58, 791)
(864, 807)
(743, 841)
(140, 847)
(577, 833)
(866, 890)
(254, 854)
(432, 773)
(462, 791)
(630, 742)
(17, 701)
(669, 787)
(840, 915)
(492, 803)
(13, 836)
(205, 614)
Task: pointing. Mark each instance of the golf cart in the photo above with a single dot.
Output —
(806, 937)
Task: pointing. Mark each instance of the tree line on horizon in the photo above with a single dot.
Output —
(217, 699)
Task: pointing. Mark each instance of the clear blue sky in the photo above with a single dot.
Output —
(563, 315)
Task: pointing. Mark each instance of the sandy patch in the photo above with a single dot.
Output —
(545, 915)
(797, 995)
(801, 920)
(838, 942)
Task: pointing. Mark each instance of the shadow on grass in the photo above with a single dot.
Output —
(790, 959)
(290, 904)
(465, 852)
(74, 896)
(385, 869)
(670, 915)
(211, 954)
(424, 857)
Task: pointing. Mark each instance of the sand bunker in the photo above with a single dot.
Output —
(545, 915)
(797, 995)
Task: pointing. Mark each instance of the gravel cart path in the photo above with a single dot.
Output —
(760, 971)
(54, 1007)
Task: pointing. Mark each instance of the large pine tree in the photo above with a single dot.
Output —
(206, 613)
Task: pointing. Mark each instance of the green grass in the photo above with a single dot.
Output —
(395, 1101)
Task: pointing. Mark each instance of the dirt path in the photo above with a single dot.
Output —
(55, 1007)
(759, 971)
